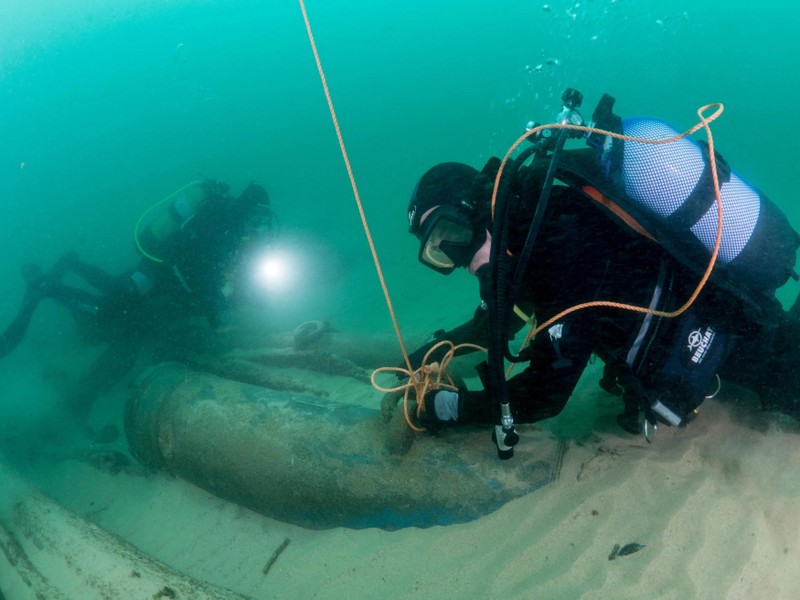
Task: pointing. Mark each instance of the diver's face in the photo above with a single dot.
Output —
(446, 239)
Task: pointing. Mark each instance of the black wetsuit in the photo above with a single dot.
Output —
(582, 255)
(141, 303)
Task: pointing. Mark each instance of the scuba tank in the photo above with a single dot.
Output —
(672, 184)
(176, 210)
(667, 190)
(172, 222)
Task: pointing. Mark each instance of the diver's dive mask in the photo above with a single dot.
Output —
(261, 222)
(447, 239)
(252, 210)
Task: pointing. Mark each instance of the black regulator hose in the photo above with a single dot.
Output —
(502, 296)
(533, 230)
(501, 269)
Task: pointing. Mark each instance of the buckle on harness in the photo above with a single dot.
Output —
(648, 436)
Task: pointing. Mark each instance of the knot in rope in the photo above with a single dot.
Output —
(427, 377)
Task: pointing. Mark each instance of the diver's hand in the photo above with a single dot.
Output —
(441, 408)
(444, 403)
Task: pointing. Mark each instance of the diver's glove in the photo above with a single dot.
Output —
(445, 404)
(441, 409)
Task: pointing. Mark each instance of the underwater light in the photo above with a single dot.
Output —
(275, 271)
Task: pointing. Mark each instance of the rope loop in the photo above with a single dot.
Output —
(429, 376)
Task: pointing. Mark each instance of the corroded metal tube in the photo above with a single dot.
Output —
(314, 462)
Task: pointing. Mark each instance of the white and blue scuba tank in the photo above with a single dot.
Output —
(668, 190)
(673, 184)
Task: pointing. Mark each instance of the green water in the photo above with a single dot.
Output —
(105, 109)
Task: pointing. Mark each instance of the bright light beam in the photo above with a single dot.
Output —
(274, 272)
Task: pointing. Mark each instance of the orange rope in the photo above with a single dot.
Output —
(428, 377)
(421, 379)
(354, 186)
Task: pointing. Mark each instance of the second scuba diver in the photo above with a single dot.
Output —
(192, 253)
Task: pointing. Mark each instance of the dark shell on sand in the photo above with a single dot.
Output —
(625, 550)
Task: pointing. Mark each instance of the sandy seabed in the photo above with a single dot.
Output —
(715, 507)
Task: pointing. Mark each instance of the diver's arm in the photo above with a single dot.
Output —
(542, 390)
(475, 331)
(92, 274)
(558, 358)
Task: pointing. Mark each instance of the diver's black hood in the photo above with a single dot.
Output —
(446, 184)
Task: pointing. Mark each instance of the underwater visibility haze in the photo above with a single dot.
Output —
(108, 108)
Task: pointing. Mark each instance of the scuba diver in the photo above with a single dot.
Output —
(615, 223)
(192, 253)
